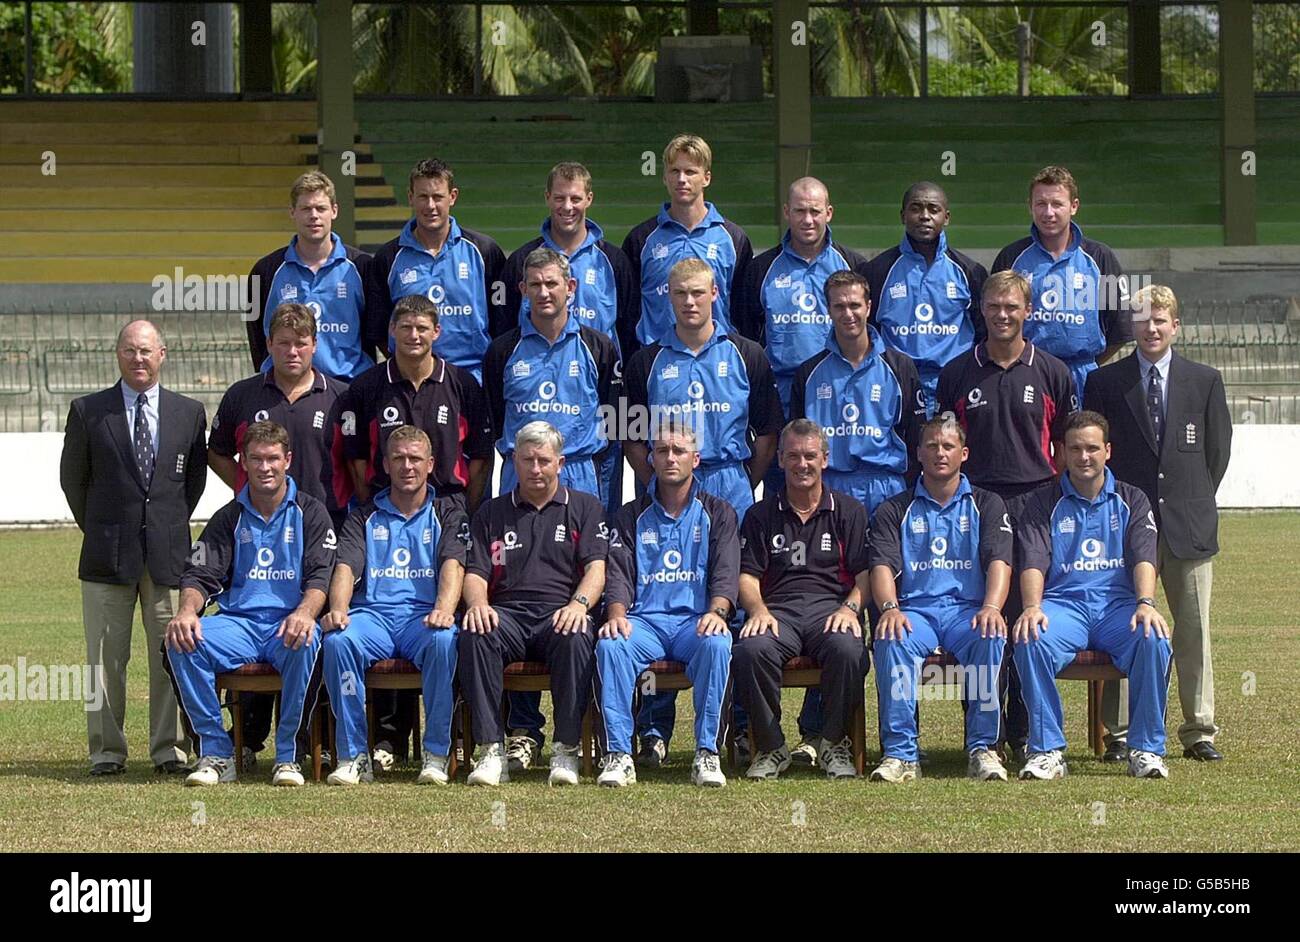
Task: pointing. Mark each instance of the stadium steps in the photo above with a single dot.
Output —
(140, 188)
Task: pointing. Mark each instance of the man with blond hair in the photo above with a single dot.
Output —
(1171, 435)
(318, 270)
(687, 226)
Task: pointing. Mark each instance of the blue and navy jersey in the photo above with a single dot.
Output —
(725, 392)
(463, 280)
(781, 304)
(258, 568)
(1086, 549)
(658, 244)
(939, 553)
(1080, 299)
(566, 383)
(606, 297)
(660, 565)
(872, 413)
(346, 334)
(931, 312)
(395, 560)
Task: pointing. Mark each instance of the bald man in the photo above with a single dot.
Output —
(133, 468)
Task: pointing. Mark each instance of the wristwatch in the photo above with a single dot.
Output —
(888, 606)
(582, 600)
(1147, 600)
(721, 612)
(853, 607)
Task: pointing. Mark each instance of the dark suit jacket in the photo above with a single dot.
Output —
(126, 527)
(1180, 480)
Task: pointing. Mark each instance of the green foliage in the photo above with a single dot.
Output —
(76, 47)
(964, 79)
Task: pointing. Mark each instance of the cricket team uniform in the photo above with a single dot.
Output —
(725, 392)
(347, 334)
(805, 571)
(257, 572)
(940, 555)
(1087, 551)
(532, 561)
(396, 562)
(665, 571)
(449, 407)
(462, 280)
(1080, 300)
(565, 383)
(928, 311)
(871, 413)
(1011, 417)
(312, 422)
(658, 244)
(605, 300)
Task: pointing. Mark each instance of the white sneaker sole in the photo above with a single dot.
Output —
(558, 779)
(1028, 776)
(766, 776)
(285, 781)
(431, 778)
(708, 782)
(615, 783)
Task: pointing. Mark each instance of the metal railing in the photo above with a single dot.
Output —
(595, 48)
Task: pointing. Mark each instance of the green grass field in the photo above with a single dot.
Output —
(1249, 802)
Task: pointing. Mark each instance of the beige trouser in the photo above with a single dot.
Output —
(108, 612)
(1187, 585)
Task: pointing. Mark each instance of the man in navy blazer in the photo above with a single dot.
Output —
(133, 468)
(1171, 434)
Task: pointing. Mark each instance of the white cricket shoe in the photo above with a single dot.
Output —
(837, 760)
(491, 766)
(617, 770)
(564, 765)
(383, 757)
(706, 770)
(352, 771)
(768, 765)
(522, 752)
(287, 775)
(1146, 765)
(212, 770)
(434, 771)
(895, 770)
(985, 766)
(1044, 765)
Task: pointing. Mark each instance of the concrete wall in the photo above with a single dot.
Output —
(1261, 475)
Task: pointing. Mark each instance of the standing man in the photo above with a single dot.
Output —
(405, 551)
(1012, 399)
(459, 270)
(316, 269)
(926, 295)
(803, 582)
(1086, 552)
(133, 468)
(552, 366)
(1171, 434)
(416, 387)
(674, 562)
(686, 227)
(536, 569)
(605, 293)
(265, 559)
(1079, 311)
(940, 569)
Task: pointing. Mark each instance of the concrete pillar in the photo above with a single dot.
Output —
(336, 107)
(792, 82)
(1238, 151)
(1144, 47)
(256, 69)
(174, 56)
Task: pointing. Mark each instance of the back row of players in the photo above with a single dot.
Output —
(565, 308)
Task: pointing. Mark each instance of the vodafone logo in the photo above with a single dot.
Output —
(939, 546)
(924, 312)
(390, 414)
(672, 559)
(695, 390)
(806, 301)
(437, 294)
(778, 541)
(261, 415)
(975, 396)
(851, 412)
(1091, 549)
(401, 556)
(1050, 299)
(546, 390)
(265, 556)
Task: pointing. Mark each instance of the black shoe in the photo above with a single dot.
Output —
(653, 754)
(1019, 752)
(1203, 751)
(1116, 752)
(107, 768)
(173, 767)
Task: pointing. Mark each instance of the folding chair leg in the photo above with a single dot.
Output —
(370, 725)
(316, 732)
(416, 738)
(467, 734)
(237, 729)
(588, 741)
(859, 735)
(1096, 729)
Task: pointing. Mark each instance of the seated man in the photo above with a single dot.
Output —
(1086, 551)
(405, 549)
(674, 561)
(808, 546)
(265, 558)
(536, 568)
(940, 569)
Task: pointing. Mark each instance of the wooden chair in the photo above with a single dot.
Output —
(1091, 666)
(260, 677)
(804, 672)
(529, 676)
